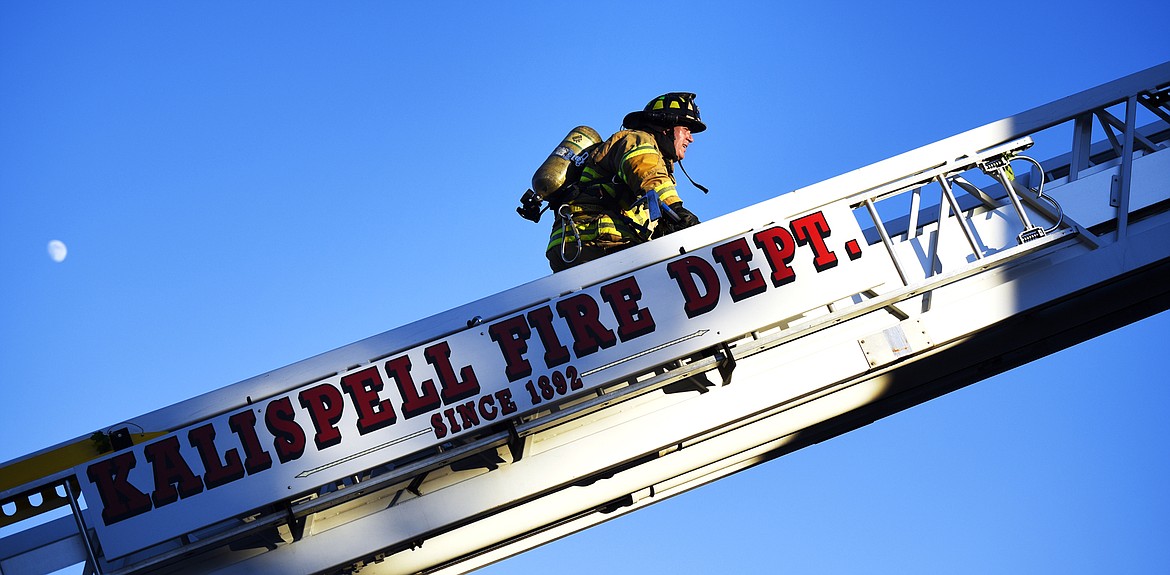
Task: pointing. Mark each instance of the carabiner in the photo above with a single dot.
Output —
(565, 215)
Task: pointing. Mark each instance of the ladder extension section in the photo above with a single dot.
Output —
(497, 426)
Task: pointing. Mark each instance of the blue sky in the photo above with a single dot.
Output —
(244, 185)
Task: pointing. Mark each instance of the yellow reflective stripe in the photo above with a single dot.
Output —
(667, 193)
(590, 173)
(590, 176)
(602, 226)
(638, 151)
(558, 239)
(663, 187)
(605, 225)
(586, 237)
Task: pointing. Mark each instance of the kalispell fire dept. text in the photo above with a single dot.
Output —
(360, 403)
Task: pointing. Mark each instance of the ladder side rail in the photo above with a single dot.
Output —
(499, 305)
(300, 510)
(1062, 167)
(1157, 102)
(440, 325)
(47, 547)
(1126, 172)
(1031, 245)
(486, 479)
(372, 349)
(981, 139)
(984, 267)
(1057, 170)
(744, 349)
(1081, 145)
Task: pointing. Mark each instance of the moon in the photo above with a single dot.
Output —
(58, 251)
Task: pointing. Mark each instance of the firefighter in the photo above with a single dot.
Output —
(627, 179)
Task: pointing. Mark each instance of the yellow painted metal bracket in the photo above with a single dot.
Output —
(46, 497)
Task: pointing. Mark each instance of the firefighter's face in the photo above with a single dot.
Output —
(682, 139)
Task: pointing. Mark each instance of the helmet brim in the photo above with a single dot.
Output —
(642, 118)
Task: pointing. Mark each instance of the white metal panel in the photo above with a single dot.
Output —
(807, 367)
(1086, 200)
(822, 374)
(410, 401)
(774, 397)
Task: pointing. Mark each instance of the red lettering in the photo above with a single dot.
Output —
(120, 499)
(325, 408)
(684, 271)
(504, 398)
(243, 424)
(215, 472)
(745, 280)
(554, 352)
(622, 296)
(779, 249)
(288, 437)
(512, 336)
(450, 414)
(374, 413)
(583, 315)
(413, 403)
(467, 414)
(438, 425)
(439, 356)
(173, 478)
(812, 230)
(487, 407)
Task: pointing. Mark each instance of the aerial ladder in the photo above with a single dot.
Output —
(476, 434)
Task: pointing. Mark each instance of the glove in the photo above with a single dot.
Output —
(685, 218)
(667, 224)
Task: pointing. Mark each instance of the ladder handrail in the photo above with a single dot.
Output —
(440, 325)
(901, 173)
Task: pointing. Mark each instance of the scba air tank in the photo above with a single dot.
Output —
(567, 159)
